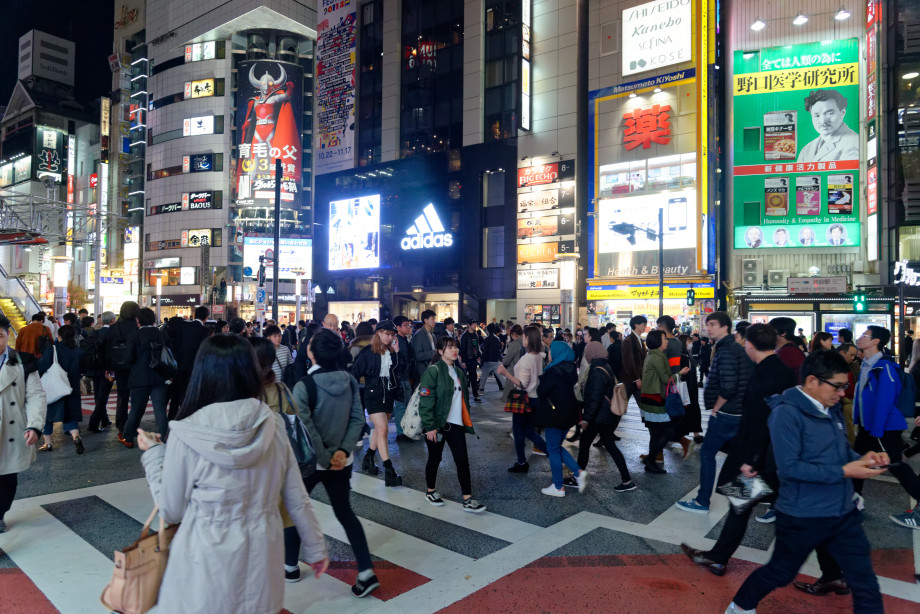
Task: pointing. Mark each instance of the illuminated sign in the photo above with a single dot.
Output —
(165, 208)
(354, 233)
(545, 226)
(196, 238)
(295, 256)
(541, 174)
(538, 279)
(427, 232)
(199, 89)
(198, 163)
(71, 165)
(93, 180)
(657, 34)
(50, 152)
(647, 126)
(530, 253)
(192, 201)
(194, 126)
(104, 117)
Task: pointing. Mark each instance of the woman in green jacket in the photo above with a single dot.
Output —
(654, 387)
(444, 400)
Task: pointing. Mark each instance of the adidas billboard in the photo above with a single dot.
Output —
(427, 232)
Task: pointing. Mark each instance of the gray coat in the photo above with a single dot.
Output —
(22, 407)
(223, 474)
(423, 349)
(338, 419)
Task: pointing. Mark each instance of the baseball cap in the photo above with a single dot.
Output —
(386, 325)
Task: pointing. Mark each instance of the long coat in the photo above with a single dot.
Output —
(22, 407)
(223, 474)
(68, 408)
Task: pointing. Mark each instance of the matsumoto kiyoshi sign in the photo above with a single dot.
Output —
(657, 34)
(427, 232)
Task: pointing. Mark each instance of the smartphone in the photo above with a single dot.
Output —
(439, 437)
(885, 466)
(677, 213)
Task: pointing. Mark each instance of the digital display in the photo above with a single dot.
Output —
(354, 233)
(295, 258)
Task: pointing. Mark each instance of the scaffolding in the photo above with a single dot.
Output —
(27, 219)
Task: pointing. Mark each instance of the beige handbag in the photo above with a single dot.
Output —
(619, 401)
(139, 569)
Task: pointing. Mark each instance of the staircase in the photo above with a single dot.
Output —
(12, 312)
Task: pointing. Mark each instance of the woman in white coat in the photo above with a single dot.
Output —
(22, 415)
(226, 467)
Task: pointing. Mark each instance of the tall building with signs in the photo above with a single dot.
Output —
(229, 94)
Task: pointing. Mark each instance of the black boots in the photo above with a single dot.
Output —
(369, 466)
(391, 478)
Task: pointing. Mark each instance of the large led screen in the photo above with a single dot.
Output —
(627, 234)
(354, 233)
(295, 257)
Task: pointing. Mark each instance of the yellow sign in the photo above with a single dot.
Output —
(199, 89)
(795, 79)
(647, 292)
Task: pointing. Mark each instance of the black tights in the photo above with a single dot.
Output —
(607, 438)
(8, 485)
(455, 437)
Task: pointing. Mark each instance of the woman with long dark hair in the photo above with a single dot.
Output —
(375, 365)
(227, 464)
(443, 405)
(67, 409)
(821, 341)
(526, 376)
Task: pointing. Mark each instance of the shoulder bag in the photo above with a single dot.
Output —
(673, 404)
(135, 584)
(297, 433)
(161, 359)
(411, 422)
(518, 402)
(55, 381)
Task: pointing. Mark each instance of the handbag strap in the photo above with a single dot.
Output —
(146, 530)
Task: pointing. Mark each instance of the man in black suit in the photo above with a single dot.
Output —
(102, 385)
(191, 335)
(118, 360)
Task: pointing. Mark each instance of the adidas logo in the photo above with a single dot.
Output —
(427, 231)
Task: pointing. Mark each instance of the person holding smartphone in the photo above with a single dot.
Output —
(444, 401)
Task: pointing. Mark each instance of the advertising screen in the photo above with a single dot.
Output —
(335, 86)
(624, 245)
(354, 233)
(796, 131)
(269, 117)
(295, 257)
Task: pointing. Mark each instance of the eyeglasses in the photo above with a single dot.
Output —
(838, 387)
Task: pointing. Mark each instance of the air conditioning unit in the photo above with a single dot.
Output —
(777, 278)
(752, 273)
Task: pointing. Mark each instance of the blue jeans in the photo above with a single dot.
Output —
(522, 426)
(722, 429)
(558, 455)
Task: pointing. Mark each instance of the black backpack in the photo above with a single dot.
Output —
(93, 356)
(119, 354)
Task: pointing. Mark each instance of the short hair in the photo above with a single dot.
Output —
(697, 335)
(609, 326)
(668, 322)
(881, 333)
(400, 320)
(547, 331)
(373, 322)
(67, 333)
(761, 336)
(843, 348)
(87, 322)
(594, 334)
(128, 310)
(265, 354)
(327, 348)
(785, 327)
(5, 323)
(38, 317)
(533, 338)
(83, 310)
(654, 339)
(270, 330)
(146, 316)
(846, 334)
(237, 325)
(108, 317)
(428, 313)
(70, 318)
(824, 364)
(637, 320)
(721, 318)
(492, 328)
(517, 329)
(364, 329)
(741, 328)
(201, 312)
(825, 95)
(448, 321)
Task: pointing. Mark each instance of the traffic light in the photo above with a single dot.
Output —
(859, 302)
(691, 296)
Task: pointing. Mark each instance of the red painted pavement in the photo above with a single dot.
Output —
(394, 580)
(19, 594)
(640, 584)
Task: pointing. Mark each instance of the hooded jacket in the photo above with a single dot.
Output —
(223, 474)
(336, 422)
(810, 451)
(557, 407)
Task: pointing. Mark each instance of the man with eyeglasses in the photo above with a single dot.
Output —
(815, 504)
(879, 421)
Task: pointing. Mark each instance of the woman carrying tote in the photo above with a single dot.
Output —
(655, 375)
(67, 409)
(443, 405)
(226, 466)
(526, 377)
(375, 365)
(557, 412)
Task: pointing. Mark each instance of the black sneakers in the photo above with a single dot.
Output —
(292, 576)
(472, 505)
(519, 468)
(434, 498)
(625, 487)
(363, 588)
(78, 443)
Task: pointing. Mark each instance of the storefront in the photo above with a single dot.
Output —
(413, 304)
(355, 311)
(182, 305)
(618, 304)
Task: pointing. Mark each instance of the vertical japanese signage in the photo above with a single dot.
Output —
(872, 158)
(526, 77)
(797, 121)
(49, 153)
(71, 165)
(335, 86)
(269, 117)
(105, 106)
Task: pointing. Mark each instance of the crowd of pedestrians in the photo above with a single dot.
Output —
(811, 425)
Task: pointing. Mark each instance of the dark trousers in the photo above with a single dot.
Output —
(659, 436)
(177, 390)
(123, 391)
(607, 438)
(892, 443)
(8, 485)
(455, 437)
(338, 487)
(139, 397)
(631, 390)
(522, 426)
(102, 387)
(473, 376)
(796, 538)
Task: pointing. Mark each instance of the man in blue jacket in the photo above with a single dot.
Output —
(815, 503)
(879, 421)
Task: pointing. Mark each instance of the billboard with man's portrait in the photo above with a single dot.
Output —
(796, 146)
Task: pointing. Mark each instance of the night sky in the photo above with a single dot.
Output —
(88, 24)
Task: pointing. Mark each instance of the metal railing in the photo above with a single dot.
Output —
(17, 290)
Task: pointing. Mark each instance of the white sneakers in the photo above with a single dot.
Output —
(733, 609)
(552, 491)
(582, 479)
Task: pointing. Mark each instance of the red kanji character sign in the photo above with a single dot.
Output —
(644, 126)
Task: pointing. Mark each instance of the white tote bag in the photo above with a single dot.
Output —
(411, 421)
(55, 381)
(684, 392)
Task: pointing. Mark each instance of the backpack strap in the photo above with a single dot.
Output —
(310, 384)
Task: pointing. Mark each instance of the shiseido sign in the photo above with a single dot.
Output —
(657, 34)
(546, 173)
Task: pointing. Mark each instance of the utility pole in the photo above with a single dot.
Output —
(276, 266)
(660, 261)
